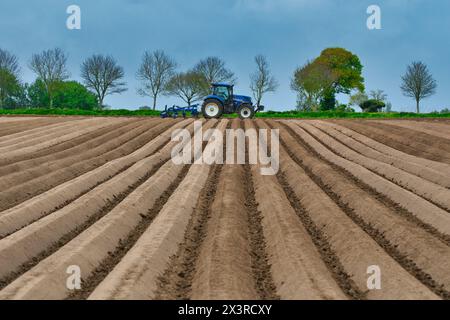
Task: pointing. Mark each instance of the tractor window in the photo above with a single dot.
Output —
(221, 92)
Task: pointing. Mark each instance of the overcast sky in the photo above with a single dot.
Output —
(288, 32)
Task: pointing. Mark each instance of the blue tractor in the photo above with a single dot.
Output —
(223, 101)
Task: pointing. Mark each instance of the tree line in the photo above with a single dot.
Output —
(102, 76)
(316, 83)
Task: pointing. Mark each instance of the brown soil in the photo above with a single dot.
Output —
(105, 195)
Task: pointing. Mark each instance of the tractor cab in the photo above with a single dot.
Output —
(221, 89)
(225, 93)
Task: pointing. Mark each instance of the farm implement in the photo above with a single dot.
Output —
(175, 111)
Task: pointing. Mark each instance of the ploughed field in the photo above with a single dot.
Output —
(351, 198)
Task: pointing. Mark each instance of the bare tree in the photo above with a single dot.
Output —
(262, 80)
(9, 62)
(378, 95)
(155, 71)
(213, 70)
(103, 75)
(50, 67)
(418, 83)
(9, 75)
(187, 86)
(358, 99)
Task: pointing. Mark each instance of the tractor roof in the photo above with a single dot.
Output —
(222, 85)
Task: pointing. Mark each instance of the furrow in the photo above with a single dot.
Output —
(176, 281)
(419, 207)
(60, 149)
(225, 267)
(342, 233)
(29, 189)
(77, 146)
(436, 194)
(57, 130)
(438, 130)
(26, 248)
(101, 146)
(433, 167)
(40, 206)
(136, 276)
(9, 153)
(111, 231)
(404, 141)
(410, 167)
(97, 248)
(417, 251)
(9, 130)
(302, 265)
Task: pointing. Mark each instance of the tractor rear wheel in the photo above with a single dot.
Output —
(212, 109)
(246, 112)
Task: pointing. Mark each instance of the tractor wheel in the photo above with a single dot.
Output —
(212, 109)
(246, 112)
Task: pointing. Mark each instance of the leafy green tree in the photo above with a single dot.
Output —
(73, 95)
(19, 99)
(9, 86)
(37, 94)
(372, 105)
(358, 98)
(347, 71)
(380, 95)
(311, 82)
(66, 95)
(346, 67)
(336, 70)
(328, 100)
(344, 108)
(9, 77)
(303, 103)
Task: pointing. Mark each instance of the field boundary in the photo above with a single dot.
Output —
(269, 114)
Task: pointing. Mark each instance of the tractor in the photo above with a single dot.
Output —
(223, 101)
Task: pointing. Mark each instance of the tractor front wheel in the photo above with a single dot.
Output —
(246, 112)
(212, 109)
